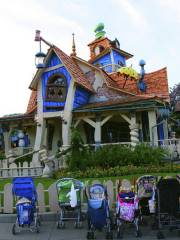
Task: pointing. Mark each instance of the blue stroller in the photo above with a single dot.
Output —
(98, 211)
(26, 196)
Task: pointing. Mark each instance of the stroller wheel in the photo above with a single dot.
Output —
(37, 227)
(109, 235)
(160, 235)
(144, 222)
(14, 229)
(39, 222)
(60, 225)
(154, 226)
(90, 235)
(78, 224)
(138, 234)
(119, 235)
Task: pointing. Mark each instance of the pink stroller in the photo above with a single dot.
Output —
(127, 209)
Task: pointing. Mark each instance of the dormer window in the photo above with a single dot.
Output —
(56, 88)
(98, 49)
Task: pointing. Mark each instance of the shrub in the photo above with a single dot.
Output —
(144, 154)
(114, 155)
(97, 172)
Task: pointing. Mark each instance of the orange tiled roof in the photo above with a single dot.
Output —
(99, 40)
(16, 117)
(113, 84)
(157, 84)
(32, 104)
(74, 69)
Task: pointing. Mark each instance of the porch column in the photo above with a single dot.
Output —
(67, 115)
(153, 128)
(97, 132)
(134, 130)
(6, 134)
(44, 140)
(40, 130)
(165, 129)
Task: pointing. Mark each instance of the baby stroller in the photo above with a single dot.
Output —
(69, 198)
(146, 186)
(25, 193)
(127, 209)
(98, 213)
(168, 207)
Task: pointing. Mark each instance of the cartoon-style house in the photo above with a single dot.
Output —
(104, 99)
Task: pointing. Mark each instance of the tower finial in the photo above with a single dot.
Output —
(73, 47)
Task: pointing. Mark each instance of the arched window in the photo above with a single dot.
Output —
(98, 49)
(56, 88)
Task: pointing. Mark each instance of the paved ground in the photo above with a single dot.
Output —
(49, 231)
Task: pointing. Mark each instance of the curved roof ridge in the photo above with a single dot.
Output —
(156, 71)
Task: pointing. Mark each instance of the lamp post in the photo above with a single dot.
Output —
(39, 59)
(40, 56)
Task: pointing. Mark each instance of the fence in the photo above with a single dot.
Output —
(17, 170)
(48, 199)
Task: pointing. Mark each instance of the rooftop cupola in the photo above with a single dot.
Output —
(106, 53)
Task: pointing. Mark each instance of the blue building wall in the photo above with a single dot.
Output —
(118, 57)
(54, 60)
(106, 59)
(81, 97)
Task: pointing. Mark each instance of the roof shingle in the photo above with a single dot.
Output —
(74, 69)
(157, 84)
(32, 104)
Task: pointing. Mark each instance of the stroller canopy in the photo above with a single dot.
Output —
(67, 182)
(146, 186)
(97, 191)
(64, 189)
(24, 187)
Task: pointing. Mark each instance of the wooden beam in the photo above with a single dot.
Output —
(91, 122)
(77, 123)
(105, 119)
(126, 118)
(53, 67)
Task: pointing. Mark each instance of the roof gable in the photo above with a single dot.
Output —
(68, 62)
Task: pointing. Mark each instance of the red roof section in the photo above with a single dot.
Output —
(32, 104)
(74, 69)
(156, 82)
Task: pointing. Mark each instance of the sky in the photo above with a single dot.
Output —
(147, 29)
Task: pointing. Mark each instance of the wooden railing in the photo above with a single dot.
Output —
(16, 170)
